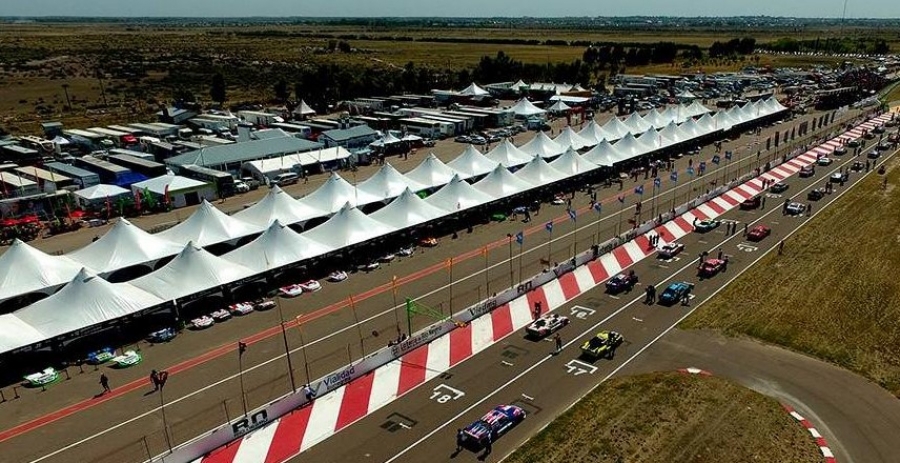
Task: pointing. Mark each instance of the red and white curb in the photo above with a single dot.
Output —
(303, 428)
(820, 441)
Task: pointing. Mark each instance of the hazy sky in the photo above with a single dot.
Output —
(455, 8)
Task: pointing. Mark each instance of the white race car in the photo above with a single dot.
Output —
(337, 276)
(387, 257)
(406, 252)
(264, 304)
(670, 250)
(202, 322)
(241, 308)
(127, 359)
(370, 266)
(290, 290)
(220, 315)
(311, 286)
(546, 325)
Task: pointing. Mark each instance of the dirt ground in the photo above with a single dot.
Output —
(834, 293)
(665, 417)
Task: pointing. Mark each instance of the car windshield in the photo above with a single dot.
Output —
(540, 323)
(595, 343)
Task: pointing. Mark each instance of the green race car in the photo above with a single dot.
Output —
(704, 226)
(604, 344)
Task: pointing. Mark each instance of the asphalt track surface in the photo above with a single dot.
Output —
(861, 426)
(332, 335)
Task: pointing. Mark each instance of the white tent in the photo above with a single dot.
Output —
(123, 246)
(604, 154)
(334, 194)
(348, 227)
(637, 124)
(85, 301)
(518, 86)
(276, 247)
(501, 184)
(280, 206)
(615, 129)
(686, 95)
(408, 210)
(471, 163)
(538, 172)
(543, 146)
(568, 138)
(650, 140)
(559, 107)
(24, 269)
(474, 90)
(431, 172)
(207, 226)
(525, 108)
(99, 194)
(176, 188)
(508, 155)
(458, 195)
(388, 183)
(629, 147)
(670, 134)
(706, 123)
(656, 119)
(690, 130)
(14, 333)
(271, 168)
(303, 110)
(593, 133)
(572, 164)
(695, 109)
(723, 120)
(193, 271)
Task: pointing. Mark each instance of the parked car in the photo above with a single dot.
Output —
(621, 282)
(163, 335)
(407, 251)
(337, 276)
(704, 226)
(462, 139)
(874, 154)
(262, 305)
(545, 325)
(839, 177)
(840, 150)
(241, 187)
(751, 203)
(290, 290)
(807, 171)
(492, 426)
(795, 208)
(310, 286)
(428, 242)
(675, 292)
(241, 308)
(251, 182)
(779, 187)
(220, 315)
(758, 233)
(857, 166)
(855, 143)
(603, 344)
(670, 250)
(824, 161)
(202, 322)
(710, 267)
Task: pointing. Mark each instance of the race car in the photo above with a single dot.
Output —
(815, 194)
(857, 166)
(868, 135)
(428, 242)
(758, 233)
(127, 359)
(807, 171)
(310, 286)
(99, 357)
(42, 378)
(675, 292)
(337, 276)
(669, 250)
(839, 177)
(604, 344)
(163, 335)
(884, 146)
(621, 282)
(796, 208)
(546, 325)
(407, 251)
(290, 290)
(840, 150)
(241, 308)
(706, 225)
(779, 187)
(751, 203)
(220, 315)
(878, 129)
(387, 257)
(824, 161)
(202, 322)
(874, 154)
(369, 266)
(855, 143)
(710, 267)
(262, 305)
(492, 426)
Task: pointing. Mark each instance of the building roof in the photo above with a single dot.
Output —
(243, 152)
(340, 135)
(175, 183)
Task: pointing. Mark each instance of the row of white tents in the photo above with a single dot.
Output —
(472, 179)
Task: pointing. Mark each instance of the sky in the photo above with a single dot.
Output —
(455, 8)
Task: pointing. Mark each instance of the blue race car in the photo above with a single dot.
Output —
(621, 282)
(492, 425)
(163, 335)
(675, 292)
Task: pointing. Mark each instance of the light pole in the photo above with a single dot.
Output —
(299, 321)
(287, 350)
(509, 238)
(241, 348)
(162, 409)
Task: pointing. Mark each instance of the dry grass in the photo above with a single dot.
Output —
(834, 294)
(667, 417)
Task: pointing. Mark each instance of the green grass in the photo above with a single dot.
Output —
(834, 294)
(665, 417)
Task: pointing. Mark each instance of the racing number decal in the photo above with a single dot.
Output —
(444, 393)
(747, 247)
(582, 312)
(578, 368)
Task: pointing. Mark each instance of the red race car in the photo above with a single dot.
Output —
(710, 267)
(758, 233)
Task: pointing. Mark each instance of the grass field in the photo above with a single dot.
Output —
(834, 294)
(670, 417)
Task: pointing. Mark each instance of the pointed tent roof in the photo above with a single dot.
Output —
(14, 333)
(276, 247)
(695, 109)
(207, 226)
(676, 113)
(334, 193)
(525, 108)
(539, 172)
(629, 147)
(671, 134)
(706, 123)
(388, 183)
(280, 206)
(389, 139)
(559, 107)
(458, 195)
(501, 184)
(348, 227)
(474, 90)
(686, 95)
(408, 210)
(637, 123)
(85, 301)
(543, 146)
(431, 172)
(616, 129)
(471, 163)
(569, 138)
(572, 164)
(508, 155)
(518, 85)
(303, 109)
(190, 272)
(604, 154)
(123, 246)
(25, 269)
(101, 192)
(655, 119)
(650, 140)
(593, 133)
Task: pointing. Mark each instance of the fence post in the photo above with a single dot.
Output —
(146, 448)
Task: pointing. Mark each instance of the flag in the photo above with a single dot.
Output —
(520, 238)
(657, 182)
(673, 176)
(598, 207)
(639, 190)
(549, 226)
(393, 285)
(484, 252)
(621, 199)
(572, 214)
(449, 263)
(716, 159)
(242, 347)
(728, 155)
